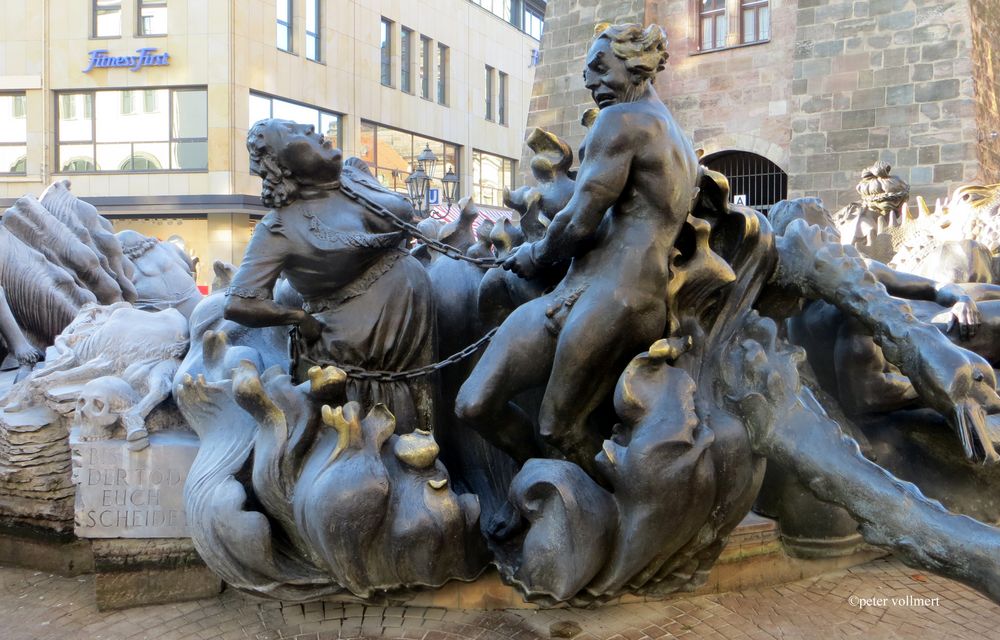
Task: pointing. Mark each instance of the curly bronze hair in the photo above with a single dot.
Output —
(279, 189)
(643, 50)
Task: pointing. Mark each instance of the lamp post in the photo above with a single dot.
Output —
(450, 183)
(416, 185)
(419, 181)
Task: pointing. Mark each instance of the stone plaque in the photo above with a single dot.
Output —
(132, 494)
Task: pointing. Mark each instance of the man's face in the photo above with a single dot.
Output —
(308, 155)
(607, 77)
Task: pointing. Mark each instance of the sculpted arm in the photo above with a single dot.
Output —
(249, 297)
(600, 182)
(914, 287)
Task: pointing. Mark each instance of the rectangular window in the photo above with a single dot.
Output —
(107, 19)
(425, 67)
(490, 72)
(442, 79)
(152, 15)
(385, 44)
(756, 23)
(283, 39)
(13, 133)
(502, 98)
(392, 155)
(491, 174)
(314, 22)
(106, 131)
(405, 59)
(326, 122)
(533, 23)
(712, 17)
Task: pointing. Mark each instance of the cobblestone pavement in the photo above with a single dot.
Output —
(38, 606)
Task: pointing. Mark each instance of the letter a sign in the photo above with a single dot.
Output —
(740, 199)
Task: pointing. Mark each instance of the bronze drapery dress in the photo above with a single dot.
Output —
(373, 299)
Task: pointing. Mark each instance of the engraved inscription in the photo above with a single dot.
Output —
(128, 494)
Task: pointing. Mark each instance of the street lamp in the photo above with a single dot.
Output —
(419, 181)
(450, 183)
(427, 160)
(416, 185)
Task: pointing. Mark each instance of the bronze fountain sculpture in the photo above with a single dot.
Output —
(617, 425)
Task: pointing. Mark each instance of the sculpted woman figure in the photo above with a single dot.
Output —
(633, 192)
(367, 303)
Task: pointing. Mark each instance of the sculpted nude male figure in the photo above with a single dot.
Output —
(633, 193)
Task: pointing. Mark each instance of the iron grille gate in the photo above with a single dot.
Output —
(761, 181)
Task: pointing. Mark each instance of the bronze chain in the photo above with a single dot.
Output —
(360, 373)
(437, 245)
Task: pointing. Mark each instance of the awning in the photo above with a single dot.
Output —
(445, 214)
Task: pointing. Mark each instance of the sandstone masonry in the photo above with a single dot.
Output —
(840, 84)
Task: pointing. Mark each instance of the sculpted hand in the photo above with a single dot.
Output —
(522, 262)
(310, 328)
(966, 315)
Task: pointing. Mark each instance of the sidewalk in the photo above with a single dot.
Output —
(851, 603)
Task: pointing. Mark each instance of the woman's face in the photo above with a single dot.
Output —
(310, 157)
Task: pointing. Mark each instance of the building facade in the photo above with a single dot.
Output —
(144, 105)
(795, 97)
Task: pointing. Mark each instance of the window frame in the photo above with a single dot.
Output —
(443, 69)
(754, 6)
(712, 16)
(496, 199)
(320, 112)
(490, 73)
(170, 140)
(733, 11)
(425, 67)
(287, 25)
(503, 86)
(386, 32)
(314, 9)
(139, 6)
(442, 166)
(23, 95)
(405, 59)
(96, 10)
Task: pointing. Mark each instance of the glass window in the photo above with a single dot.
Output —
(314, 40)
(107, 19)
(385, 45)
(442, 79)
(152, 16)
(108, 131)
(392, 154)
(488, 80)
(13, 133)
(756, 23)
(533, 24)
(284, 25)
(502, 98)
(425, 67)
(712, 16)
(491, 174)
(326, 122)
(405, 59)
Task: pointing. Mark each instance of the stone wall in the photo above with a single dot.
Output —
(881, 79)
(986, 73)
(734, 98)
(559, 99)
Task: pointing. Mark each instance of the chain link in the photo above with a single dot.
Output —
(446, 249)
(359, 373)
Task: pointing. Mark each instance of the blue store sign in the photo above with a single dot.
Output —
(146, 57)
